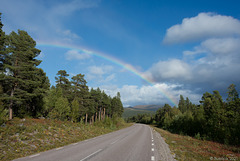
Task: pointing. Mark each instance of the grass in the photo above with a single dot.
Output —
(188, 148)
(23, 137)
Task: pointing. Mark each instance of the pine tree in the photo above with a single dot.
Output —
(3, 111)
(182, 104)
(232, 93)
(25, 82)
(106, 104)
(75, 110)
(2, 46)
(61, 110)
(63, 83)
(80, 88)
(2, 60)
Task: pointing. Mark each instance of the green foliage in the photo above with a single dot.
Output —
(3, 114)
(24, 85)
(61, 110)
(213, 119)
(26, 91)
(75, 111)
(141, 118)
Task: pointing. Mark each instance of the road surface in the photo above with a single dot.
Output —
(135, 143)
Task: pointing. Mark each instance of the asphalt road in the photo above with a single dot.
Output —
(135, 143)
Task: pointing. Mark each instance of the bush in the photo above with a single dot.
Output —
(3, 115)
(197, 136)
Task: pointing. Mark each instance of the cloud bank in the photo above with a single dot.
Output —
(211, 65)
(132, 95)
(204, 25)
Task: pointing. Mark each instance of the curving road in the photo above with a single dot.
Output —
(135, 143)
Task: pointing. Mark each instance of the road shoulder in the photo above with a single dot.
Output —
(163, 151)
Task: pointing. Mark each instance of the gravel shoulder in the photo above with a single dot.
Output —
(163, 151)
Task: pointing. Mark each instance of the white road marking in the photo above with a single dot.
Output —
(152, 140)
(59, 148)
(91, 155)
(151, 132)
(34, 155)
(152, 158)
(152, 149)
(152, 144)
(114, 141)
(74, 143)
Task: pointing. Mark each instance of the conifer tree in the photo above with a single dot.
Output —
(26, 83)
(61, 110)
(182, 104)
(75, 110)
(80, 88)
(2, 47)
(63, 83)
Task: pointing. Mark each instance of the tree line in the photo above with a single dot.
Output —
(213, 119)
(25, 89)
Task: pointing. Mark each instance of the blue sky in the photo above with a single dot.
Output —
(180, 47)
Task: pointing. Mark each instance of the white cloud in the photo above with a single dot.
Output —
(139, 95)
(211, 65)
(225, 46)
(171, 69)
(110, 77)
(204, 25)
(100, 74)
(75, 55)
(100, 70)
(69, 33)
(218, 52)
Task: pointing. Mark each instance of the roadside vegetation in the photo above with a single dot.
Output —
(192, 149)
(24, 137)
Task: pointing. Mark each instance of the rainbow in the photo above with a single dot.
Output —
(113, 60)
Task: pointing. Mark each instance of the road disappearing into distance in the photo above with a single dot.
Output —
(135, 143)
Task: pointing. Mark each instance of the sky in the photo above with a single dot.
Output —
(150, 51)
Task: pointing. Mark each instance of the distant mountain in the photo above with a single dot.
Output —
(140, 109)
(147, 107)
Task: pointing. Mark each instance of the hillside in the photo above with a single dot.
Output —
(147, 107)
(24, 137)
(189, 148)
(140, 109)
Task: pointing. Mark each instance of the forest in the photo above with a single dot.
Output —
(25, 89)
(212, 119)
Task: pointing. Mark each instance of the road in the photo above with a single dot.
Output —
(135, 143)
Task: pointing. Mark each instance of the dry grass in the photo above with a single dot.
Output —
(188, 148)
(23, 137)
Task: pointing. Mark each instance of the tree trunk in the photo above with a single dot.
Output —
(96, 116)
(86, 118)
(99, 114)
(104, 110)
(11, 103)
(92, 118)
